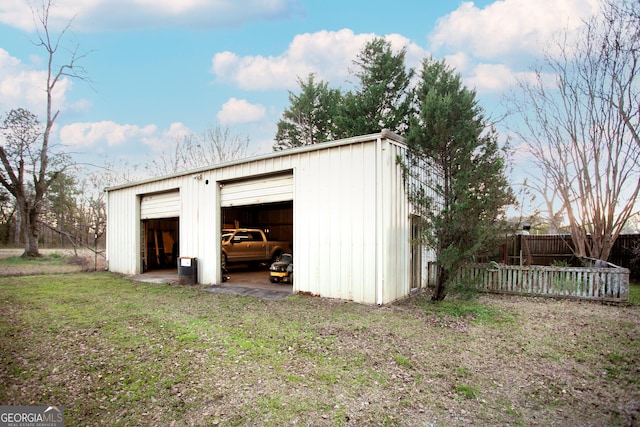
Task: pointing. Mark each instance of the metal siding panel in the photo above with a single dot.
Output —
(190, 225)
(334, 214)
(397, 229)
(122, 229)
(307, 233)
(390, 231)
(364, 263)
(334, 220)
(347, 200)
(209, 230)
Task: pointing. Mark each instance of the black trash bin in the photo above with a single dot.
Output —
(187, 270)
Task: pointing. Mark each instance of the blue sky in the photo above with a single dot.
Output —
(165, 67)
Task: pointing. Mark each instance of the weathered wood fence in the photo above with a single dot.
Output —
(603, 284)
(545, 249)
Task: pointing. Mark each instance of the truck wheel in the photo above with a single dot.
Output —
(273, 279)
(223, 262)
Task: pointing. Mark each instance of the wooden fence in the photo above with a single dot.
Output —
(545, 249)
(602, 284)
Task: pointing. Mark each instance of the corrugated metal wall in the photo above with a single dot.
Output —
(335, 222)
(397, 223)
(350, 214)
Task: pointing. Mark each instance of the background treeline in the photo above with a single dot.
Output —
(73, 215)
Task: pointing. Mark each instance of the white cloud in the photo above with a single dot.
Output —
(159, 141)
(111, 133)
(329, 54)
(509, 27)
(236, 111)
(491, 78)
(494, 46)
(23, 87)
(460, 61)
(7, 61)
(92, 15)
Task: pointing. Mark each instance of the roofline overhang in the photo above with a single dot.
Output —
(384, 134)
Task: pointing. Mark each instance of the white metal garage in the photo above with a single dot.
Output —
(351, 221)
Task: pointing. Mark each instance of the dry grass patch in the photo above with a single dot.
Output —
(52, 261)
(116, 352)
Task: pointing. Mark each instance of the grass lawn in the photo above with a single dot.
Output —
(116, 352)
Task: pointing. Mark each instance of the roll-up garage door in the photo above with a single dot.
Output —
(267, 189)
(160, 205)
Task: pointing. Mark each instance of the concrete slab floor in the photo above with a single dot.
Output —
(241, 282)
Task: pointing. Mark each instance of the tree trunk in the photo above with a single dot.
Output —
(30, 232)
(17, 232)
(602, 245)
(578, 237)
(441, 285)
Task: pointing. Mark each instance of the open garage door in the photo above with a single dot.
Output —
(160, 205)
(160, 248)
(257, 191)
(160, 214)
(264, 203)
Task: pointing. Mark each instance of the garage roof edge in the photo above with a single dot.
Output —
(384, 134)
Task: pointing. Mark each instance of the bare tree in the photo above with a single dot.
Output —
(216, 145)
(23, 172)
(620, 56)
(92, 207)
(172, 160)
(582, 130)
(548, 208)
(220, 145)
(21, 156)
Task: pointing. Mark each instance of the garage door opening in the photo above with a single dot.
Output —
(160, 214)
(263, 203)
(275, 219)
(160, 249)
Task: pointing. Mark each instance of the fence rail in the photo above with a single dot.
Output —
(602, 284)
(545, 249)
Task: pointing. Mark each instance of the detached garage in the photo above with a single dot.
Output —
(342, 204)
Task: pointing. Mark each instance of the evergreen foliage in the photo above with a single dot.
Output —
(462, 211)
(383, 99)
(310, 118)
